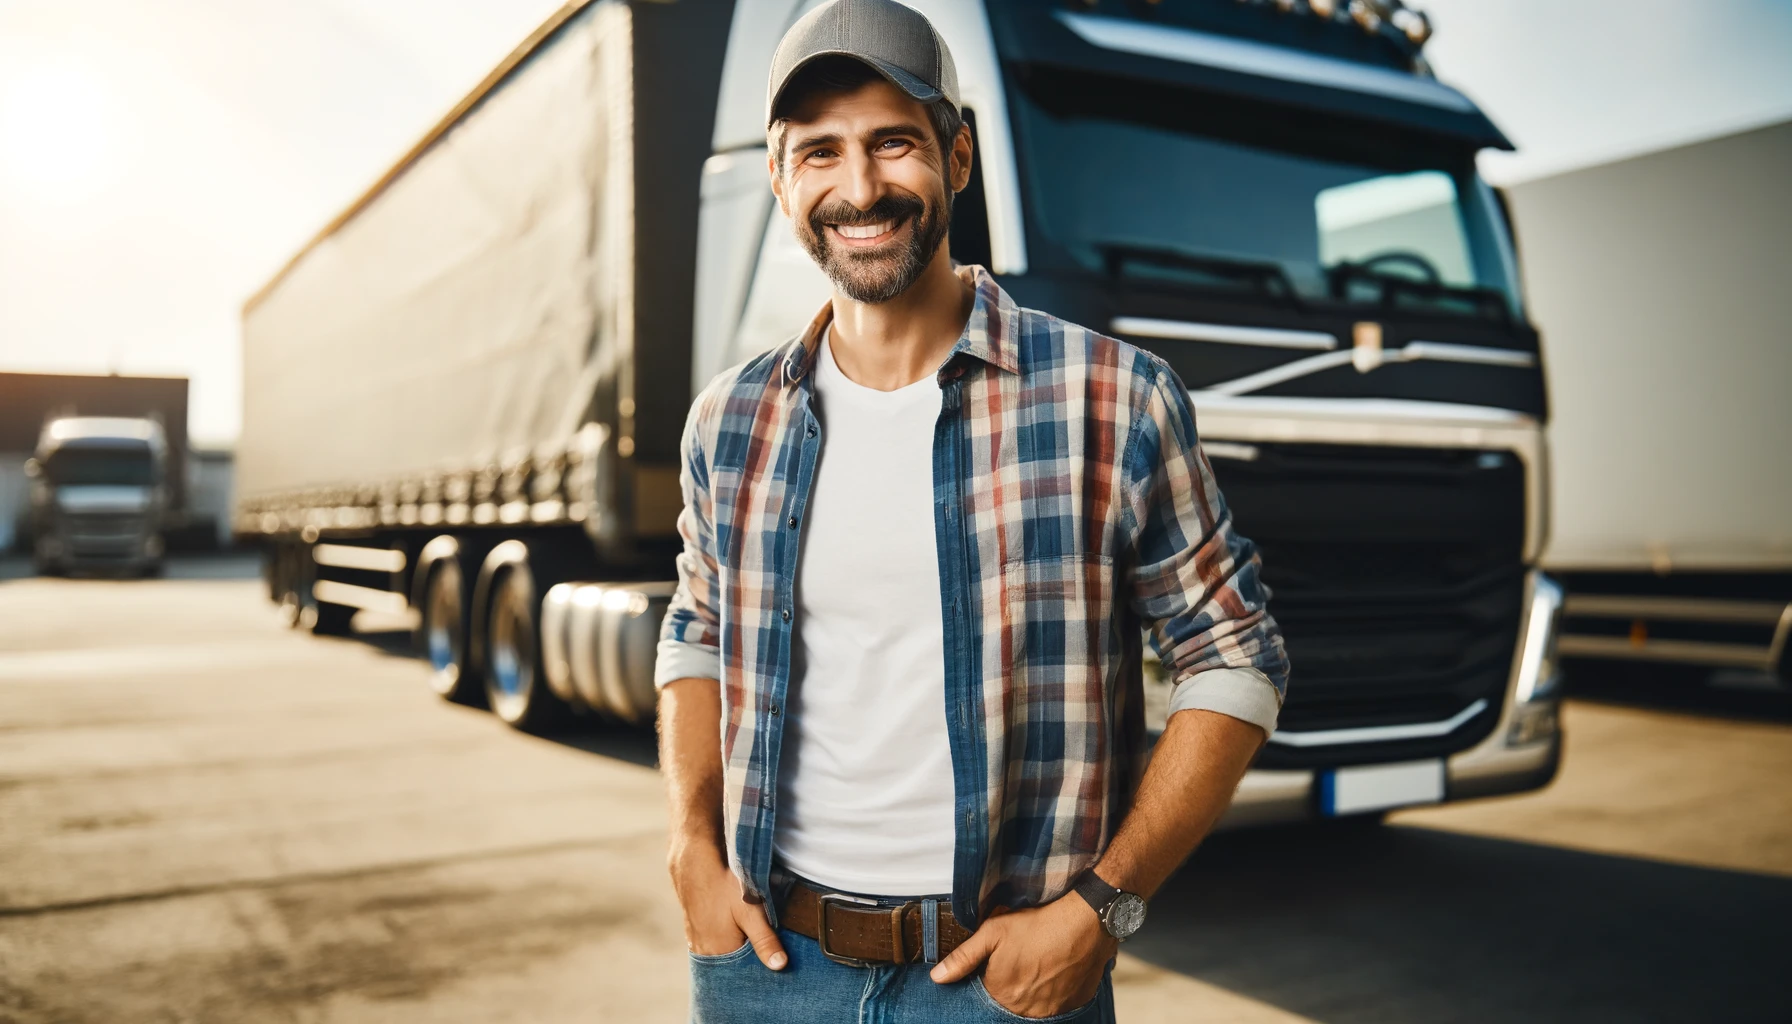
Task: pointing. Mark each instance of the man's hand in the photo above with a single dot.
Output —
(1041, 962)
(716, 919)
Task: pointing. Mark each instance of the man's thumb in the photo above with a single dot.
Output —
(966, 958)
(765, 941)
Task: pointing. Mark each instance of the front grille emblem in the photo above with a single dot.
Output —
(1366, 353)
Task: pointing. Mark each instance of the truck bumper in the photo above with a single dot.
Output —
(1281, 797)
(1522, 752)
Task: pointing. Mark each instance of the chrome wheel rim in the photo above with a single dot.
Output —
(442, 636)
(512, 675)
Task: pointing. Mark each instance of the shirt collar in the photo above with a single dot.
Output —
(990, 334)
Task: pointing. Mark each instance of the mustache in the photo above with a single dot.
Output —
(839, 211)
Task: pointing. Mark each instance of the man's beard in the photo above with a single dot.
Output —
(876, 277)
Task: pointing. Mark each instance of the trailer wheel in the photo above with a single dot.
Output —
(283, 586)
(43, 563)
(516, 686)
(442, 635)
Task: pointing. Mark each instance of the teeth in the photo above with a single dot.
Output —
(864, 230)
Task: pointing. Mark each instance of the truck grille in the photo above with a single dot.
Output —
(103, 534)
(1397, 577)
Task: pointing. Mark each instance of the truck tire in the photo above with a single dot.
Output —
(516, 686)
(442, 632)
(283, 585)
(43, 563)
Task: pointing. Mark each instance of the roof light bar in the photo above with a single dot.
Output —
(1371, 15)
(1364, 13)
(1415, 24)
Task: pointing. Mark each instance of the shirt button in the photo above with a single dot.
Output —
(774, 709)
(792, 522)
(811, 430)
(785, 615)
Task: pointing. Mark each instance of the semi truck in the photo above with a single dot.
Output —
(99, 494)
(465, 396)
(1659, 278)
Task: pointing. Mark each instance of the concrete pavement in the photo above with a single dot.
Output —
(205, 817)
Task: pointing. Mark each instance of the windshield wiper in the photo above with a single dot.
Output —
(1267, 278)
(1487, 303)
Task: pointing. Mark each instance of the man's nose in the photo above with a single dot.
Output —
(863, 186)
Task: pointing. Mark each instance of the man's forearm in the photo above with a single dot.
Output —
(1194, 770)
(690, 727)
(716, 916)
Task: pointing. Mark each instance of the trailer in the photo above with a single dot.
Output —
(1661, 280)
(469, 388)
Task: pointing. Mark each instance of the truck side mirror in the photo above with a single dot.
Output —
(32, 469)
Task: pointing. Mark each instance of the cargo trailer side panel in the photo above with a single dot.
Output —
(1660, 286)
(476, 306)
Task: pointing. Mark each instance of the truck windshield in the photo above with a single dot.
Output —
(1188, 188)
(119, 466)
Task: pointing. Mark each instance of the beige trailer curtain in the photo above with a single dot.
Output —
(475, 306)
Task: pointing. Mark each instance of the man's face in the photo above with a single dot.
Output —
(865, 185)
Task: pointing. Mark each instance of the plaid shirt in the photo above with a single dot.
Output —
(1072, 504)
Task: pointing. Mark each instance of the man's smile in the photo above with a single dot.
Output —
(866, 235)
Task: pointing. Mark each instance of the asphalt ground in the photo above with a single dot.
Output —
(205, 817)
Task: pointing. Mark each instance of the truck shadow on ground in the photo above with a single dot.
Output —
(583, 731)
(1411, 924)
(219, 565)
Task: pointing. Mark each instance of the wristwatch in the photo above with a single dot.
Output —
(1121, 913)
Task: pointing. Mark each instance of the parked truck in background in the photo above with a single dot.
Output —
(99, 493)
(1661, 279)
(466, 395)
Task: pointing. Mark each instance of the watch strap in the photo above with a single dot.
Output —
(1097, 893)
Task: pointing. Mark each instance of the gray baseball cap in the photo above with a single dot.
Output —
(896, 40)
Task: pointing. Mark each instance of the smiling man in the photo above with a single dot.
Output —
(901, 707)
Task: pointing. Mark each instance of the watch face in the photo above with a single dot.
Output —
(1125, 915)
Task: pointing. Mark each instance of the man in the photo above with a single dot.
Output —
(920, 542)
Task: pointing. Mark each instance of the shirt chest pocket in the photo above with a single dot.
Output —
(1055, 611)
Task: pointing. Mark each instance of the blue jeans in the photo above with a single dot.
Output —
(735, 988)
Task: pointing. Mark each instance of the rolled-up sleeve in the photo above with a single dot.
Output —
(1194, 582)
(690, 634)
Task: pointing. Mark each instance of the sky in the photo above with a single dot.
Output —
(159, 162)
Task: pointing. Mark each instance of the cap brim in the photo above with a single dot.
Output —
(916, 89)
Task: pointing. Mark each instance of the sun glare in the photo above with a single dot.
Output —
(55, 131)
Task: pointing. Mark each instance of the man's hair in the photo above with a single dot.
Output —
(847, 74)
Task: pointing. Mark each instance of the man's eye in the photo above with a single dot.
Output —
(895, 143)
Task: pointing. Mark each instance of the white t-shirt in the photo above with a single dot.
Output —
(865, 797)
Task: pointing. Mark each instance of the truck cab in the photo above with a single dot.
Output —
(1282, 202)
(98, 493)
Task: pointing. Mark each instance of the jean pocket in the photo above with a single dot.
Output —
(1004, 1014)
(717, 959)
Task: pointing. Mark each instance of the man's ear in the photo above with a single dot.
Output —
(961, 158)
(771, 169)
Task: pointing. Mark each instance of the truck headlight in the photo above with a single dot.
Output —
(1538, 674)
(1534, 692)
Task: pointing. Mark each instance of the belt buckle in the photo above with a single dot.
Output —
(821, 928)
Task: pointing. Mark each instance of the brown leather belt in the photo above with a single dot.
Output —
(860, 935)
